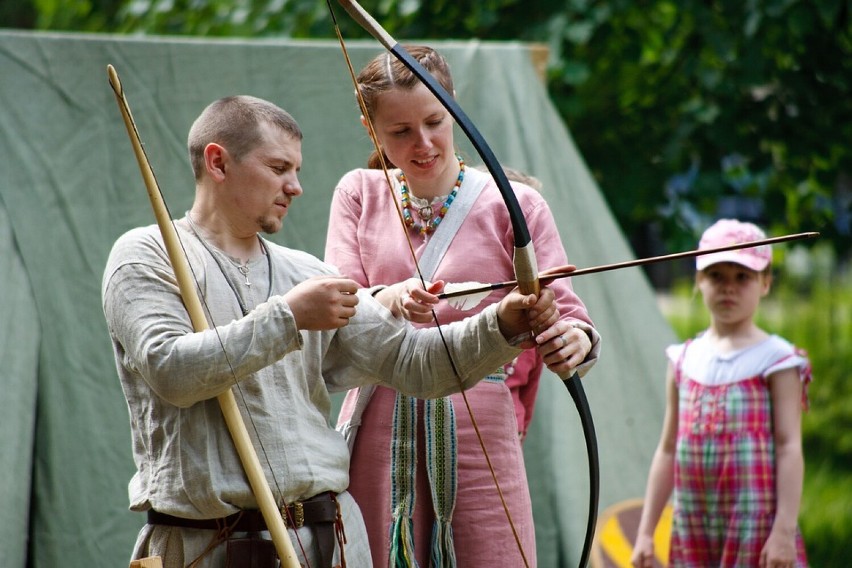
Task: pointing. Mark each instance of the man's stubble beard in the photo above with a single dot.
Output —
(270, 227)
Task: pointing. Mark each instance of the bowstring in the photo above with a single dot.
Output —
(374, 139)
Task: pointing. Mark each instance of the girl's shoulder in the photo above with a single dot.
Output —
(779, 354)
(700, 359)
(532, 203)
(776, 345)
(363, 187)
(773, 347)
(675, 352)
(362, 178)
(525, 194)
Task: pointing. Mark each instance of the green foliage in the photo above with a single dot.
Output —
(687, 110)
(818, 318)
(684, 111)
(17, 14)
(495, 19)
(76, 15)
(825, 515)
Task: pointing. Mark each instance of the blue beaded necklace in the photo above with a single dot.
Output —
(430, 224)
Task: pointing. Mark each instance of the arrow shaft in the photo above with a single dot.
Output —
(632, 263)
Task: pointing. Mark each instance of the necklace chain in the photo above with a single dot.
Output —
(244, 269)
(430, 223)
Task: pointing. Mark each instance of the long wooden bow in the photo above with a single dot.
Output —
(227, 401)
(525, 265)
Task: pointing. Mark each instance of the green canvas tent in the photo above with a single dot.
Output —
(69, 185)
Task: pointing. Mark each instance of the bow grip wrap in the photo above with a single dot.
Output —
(526, 269)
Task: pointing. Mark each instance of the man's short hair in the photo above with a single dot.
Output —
(234, 122)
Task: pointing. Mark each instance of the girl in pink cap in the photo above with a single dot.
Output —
(731, 446)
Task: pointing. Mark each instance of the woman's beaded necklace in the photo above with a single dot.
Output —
(425, 213)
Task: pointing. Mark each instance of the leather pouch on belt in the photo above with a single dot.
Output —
(251, 553)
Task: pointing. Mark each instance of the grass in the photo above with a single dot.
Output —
(815, 315)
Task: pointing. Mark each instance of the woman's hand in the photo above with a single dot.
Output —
(563, 346)
(408, 299)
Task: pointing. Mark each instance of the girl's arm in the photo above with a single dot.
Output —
(785, 388)
(660, 479)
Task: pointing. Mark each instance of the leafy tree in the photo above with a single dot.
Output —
(684, 110)
(690, 109)
(17, 14)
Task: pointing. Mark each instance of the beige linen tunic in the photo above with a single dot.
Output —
(186, 462)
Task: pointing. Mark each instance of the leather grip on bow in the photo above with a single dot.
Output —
(526, 270)
(227, 401)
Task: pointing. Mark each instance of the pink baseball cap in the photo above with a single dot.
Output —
(725, 232)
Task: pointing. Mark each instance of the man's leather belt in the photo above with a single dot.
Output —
(321, 508)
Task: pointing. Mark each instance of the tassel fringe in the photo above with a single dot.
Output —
(443, 550)
(402, 543)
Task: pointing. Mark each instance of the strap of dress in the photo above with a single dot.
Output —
(436, 248)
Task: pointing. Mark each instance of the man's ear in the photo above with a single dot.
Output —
(215, 157)
(363, 121)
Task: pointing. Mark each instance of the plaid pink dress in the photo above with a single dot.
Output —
(724, 480)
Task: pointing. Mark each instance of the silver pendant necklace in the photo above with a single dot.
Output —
(244, 268)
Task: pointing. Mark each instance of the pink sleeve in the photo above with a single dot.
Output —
(549, 254)
(523, 384)
(341, 242)
(798, 360)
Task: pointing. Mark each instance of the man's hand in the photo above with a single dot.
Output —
(519, 313)
(409, 300)
(323, 302)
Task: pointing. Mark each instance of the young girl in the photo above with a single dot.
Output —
(417, 469)
(731, 445)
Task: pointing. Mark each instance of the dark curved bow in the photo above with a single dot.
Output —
(526, 270)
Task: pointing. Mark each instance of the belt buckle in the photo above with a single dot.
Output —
(297, 511)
